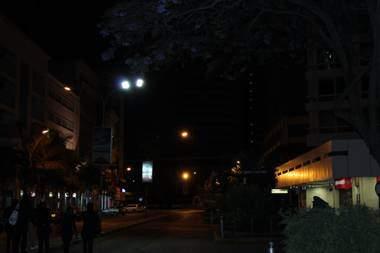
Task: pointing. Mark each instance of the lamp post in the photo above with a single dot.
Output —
(124, 85)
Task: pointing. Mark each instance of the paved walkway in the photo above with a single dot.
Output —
(109, 224)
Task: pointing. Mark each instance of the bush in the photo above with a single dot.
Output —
(325, 230)
(243, 204)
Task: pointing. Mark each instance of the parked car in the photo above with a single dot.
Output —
(110, 212)
(132, 208)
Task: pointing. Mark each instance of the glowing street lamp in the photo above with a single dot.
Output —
(139, 83)
(184, 134)
(67, 88)
(45, 131)
(129, 169)
(185, 176)
(125, 85)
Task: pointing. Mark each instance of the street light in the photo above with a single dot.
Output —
(67, 88)
(139, 83)
(125, 85)
(185, 176)
(184, 134)
(45, 131)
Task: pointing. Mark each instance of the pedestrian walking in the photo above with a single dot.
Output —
(8, 227)
(43, 227)
(20, 229)
(91, 228)
(69, 228)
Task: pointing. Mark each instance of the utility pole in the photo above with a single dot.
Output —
(121, 134)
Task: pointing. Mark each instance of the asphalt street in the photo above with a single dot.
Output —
(180, 231)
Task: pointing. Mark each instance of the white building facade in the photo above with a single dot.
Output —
(340, 172)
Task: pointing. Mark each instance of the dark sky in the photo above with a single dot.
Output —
(215, 110)
(62, 28)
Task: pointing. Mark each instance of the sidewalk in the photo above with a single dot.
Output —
(260, 241)
(109, 225)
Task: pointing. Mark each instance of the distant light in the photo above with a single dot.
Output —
(279, 191)
(140, 199)
(129, 169)
(50, 194)
(59, 195)
(125, 85)
(133, 180)
(67, 88)
(238, 162)
(21, 193)
(185, 176)
(45, 131)
(139, 83)
(184, 134)
(123, 190)
(33, 194)
(195, 172)
(66, 194)
(74, 195)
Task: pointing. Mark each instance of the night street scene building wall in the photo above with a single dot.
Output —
(216, 119)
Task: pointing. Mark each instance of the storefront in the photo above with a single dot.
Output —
(339, 172)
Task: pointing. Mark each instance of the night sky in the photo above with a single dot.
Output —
(214, 110)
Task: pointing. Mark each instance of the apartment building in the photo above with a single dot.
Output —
(84, 82)
(23, 74)
(31, 100)
(63, 111)
(285, 140)
(340, 169)
(326, 83)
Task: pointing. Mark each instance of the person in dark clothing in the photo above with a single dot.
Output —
(91, 228)
(68, 228)
(43, 227)
(9, 229)
(20, 229)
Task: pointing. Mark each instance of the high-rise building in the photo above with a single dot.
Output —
(86, 84)
(339, 169)
(31, 102)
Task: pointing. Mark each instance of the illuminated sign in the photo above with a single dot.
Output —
(147, 172)
(279, 191)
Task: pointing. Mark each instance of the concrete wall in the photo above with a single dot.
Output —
(59, 110)
(330, 196)
(363, 192)
(336, 159)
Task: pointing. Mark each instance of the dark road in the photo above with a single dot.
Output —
(180, 232)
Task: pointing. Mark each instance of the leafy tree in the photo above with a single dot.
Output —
(46, 162)
(231, 35)
(246, 205)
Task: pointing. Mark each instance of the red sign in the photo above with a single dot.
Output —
(343, 183)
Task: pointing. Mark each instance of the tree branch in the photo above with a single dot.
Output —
(202, 8)
(351, 86)
(331, 28)
(324, 36)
